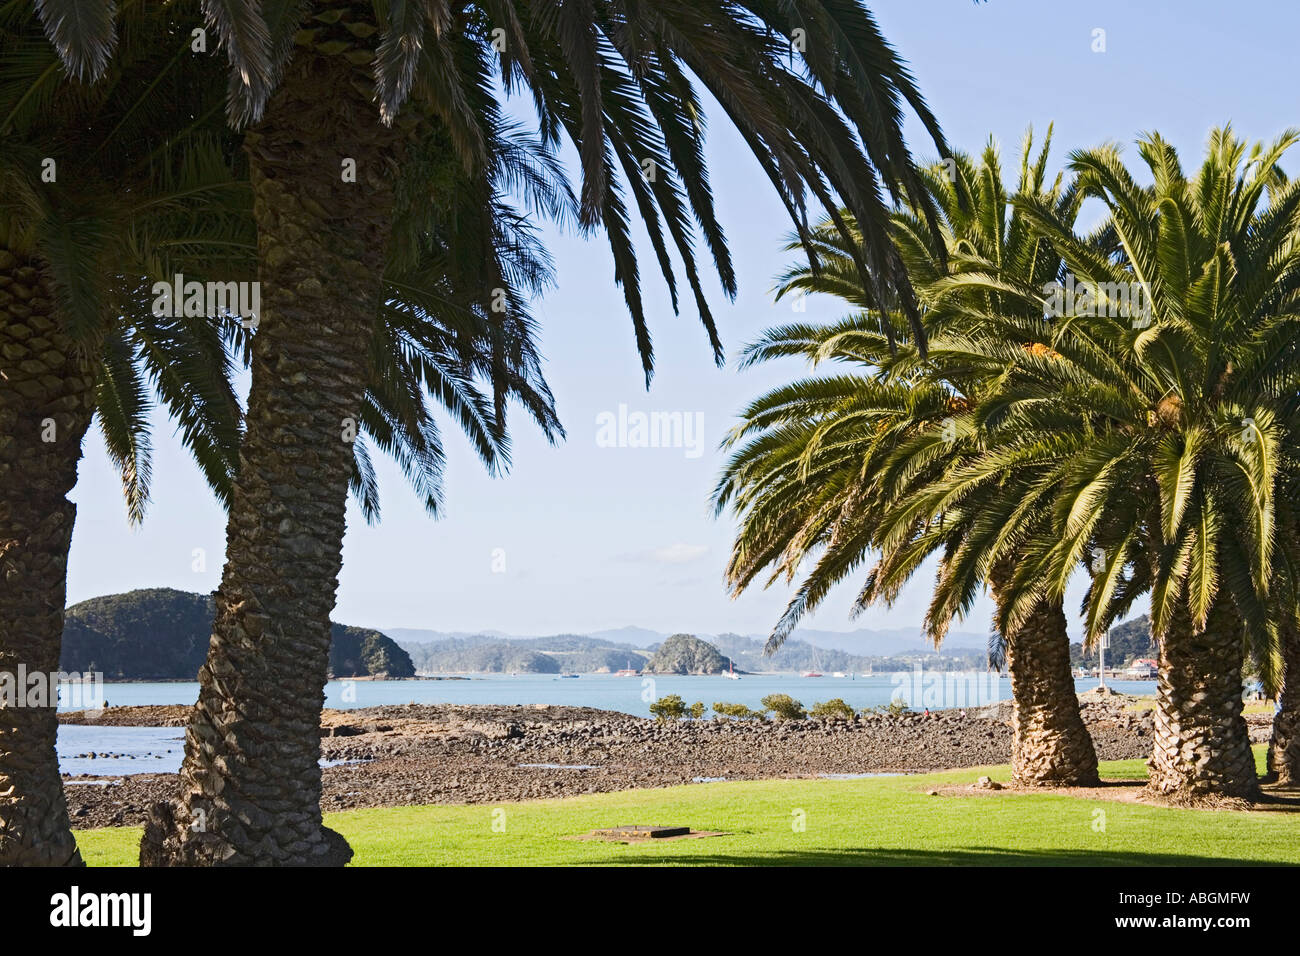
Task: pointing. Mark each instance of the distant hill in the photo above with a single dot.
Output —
(864, 643)
(795, 655)
(587, 654)
(563, 653)
(1128, 642)
(162, 634)
(636, 636)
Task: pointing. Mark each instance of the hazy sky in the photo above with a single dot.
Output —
(594, 536)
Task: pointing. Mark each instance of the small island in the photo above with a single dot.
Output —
(687, 654)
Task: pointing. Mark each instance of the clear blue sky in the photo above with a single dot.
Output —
(596, 537)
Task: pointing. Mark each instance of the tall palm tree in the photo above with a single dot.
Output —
(1282, 760)
(93, 207)
(188, 210)
(813, 88)
(826, 458)
(1165, 431)
(1283, 763)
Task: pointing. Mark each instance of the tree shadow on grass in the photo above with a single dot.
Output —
(961, 856)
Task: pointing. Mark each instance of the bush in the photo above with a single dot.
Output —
(698, 710)
(740, 711)
(833, 708)
(668, 708)
(895, 708)
(784, 707)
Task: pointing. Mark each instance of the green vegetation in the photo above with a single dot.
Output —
(826, 471)
(104, 191)
(835, 707)
(895, 708)
(1117, 404)
(738, 711)
(420, 103)
(882, 821)
(1146, 434)
(668, 708)
(783, 706)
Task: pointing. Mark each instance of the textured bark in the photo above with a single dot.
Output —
(1051, 746)
(1284, 746)
(1201, 746)
(250, 782)
(46, 401)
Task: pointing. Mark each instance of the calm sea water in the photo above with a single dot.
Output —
(159, 749)
(126, 749)
(633, 695)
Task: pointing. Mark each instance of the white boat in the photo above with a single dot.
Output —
(838, 674)
(814, 672)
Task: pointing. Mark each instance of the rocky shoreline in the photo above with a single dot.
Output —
(421, 754)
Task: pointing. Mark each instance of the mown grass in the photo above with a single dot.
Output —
(879, 821)
(1250, 707)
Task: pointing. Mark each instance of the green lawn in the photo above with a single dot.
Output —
(1148, 702)
(878, 821)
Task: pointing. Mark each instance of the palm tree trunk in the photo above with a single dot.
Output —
(1284, 746)
(46, 401)
(1201, 744)
(1051, 746)
(251, 781)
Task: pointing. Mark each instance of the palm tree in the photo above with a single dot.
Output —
(434, 339)
(829, 459)
(1162, 431)
(1280, 676)
(92, 207)
(332, 185)
(1283, 759)
(437, 341)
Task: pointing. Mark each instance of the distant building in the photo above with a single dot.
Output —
(1142, 669)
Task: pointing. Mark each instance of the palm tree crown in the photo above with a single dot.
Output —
(813, 87)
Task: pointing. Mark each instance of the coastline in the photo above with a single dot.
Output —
(475, 754)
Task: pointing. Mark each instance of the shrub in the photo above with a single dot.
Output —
(723, 709)
(784, 707)
(668, 708)
(833, 708)
(698, 710)
(895, 708)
